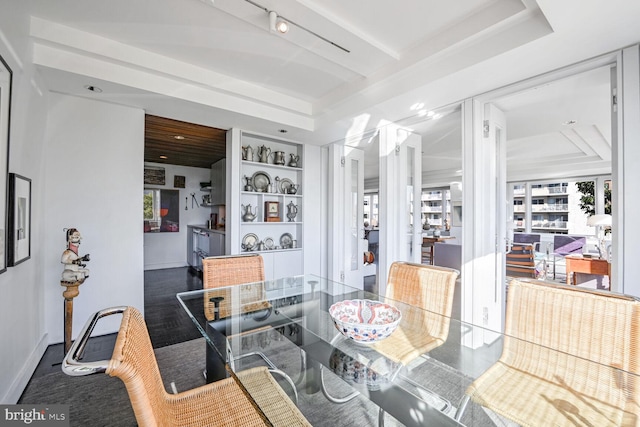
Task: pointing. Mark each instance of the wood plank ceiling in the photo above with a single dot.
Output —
(182, 143)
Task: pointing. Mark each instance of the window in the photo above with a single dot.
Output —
(161, 210)
(559, 207)
(436, 208)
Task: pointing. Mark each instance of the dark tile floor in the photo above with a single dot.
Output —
(166, 320)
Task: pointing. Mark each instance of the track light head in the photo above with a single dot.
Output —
(277, 24)
(282, 26)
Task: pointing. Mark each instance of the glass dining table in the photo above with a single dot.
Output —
(287, 320)
(335, 380)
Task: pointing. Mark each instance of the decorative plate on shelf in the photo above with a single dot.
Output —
(260, 180)
(249, 242)
(268, 243)
(284, 184)
(286, 240)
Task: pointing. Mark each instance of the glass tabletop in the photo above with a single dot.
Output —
(418, 375)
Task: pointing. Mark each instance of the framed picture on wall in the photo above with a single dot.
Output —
(153, 175)
(178, 181)
(19, 219)
(5, 116)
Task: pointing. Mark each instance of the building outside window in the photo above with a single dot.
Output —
(371, 209)
(436, 207)
(554, 207)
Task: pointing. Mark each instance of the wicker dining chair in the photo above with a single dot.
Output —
(570, 356)
(430, 289)
(233, 270)
(223, 403)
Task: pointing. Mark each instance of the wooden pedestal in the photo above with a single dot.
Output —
(69, 294)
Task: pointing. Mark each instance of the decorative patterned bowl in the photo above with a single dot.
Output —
(365, 321)
(362, 370)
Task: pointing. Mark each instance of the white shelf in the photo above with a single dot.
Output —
(278, 262)
(270, 165)
(260, 193)
(271, 223)
(271, 251)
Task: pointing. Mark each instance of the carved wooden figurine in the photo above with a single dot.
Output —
(74, 269)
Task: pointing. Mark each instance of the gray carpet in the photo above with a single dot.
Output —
(99, 400)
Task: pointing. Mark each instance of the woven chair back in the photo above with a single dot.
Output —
(134, 362)
(554, 333)
(566, 357)
(232, 270)
(429, 288)
(425, 286)
(603, 327)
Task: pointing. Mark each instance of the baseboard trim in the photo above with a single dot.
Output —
(22, 379)
(165, 265)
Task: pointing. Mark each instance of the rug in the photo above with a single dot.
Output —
(100, 400)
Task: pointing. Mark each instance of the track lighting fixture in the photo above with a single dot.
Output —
(277, 24)
(280, 24)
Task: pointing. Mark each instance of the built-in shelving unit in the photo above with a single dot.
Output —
(276, 233)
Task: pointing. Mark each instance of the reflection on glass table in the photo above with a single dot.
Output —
(426, 391)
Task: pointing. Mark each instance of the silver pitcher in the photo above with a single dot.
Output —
(292, 211)
(247, 153)
(248, 186)
(293, 161)
(249, 216)
(263, 154)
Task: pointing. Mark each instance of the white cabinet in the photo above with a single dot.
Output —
(266, 190)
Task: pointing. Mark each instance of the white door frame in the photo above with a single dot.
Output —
(476, 181)
(393, 208)
(341, 219)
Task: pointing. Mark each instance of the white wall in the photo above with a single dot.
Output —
(314, 258)
(93, 182)
(22, 327)
(168, 250)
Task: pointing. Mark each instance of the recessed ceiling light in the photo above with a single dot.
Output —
(570, 122)
(92, 88)
(178, 137)
(164, 157)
